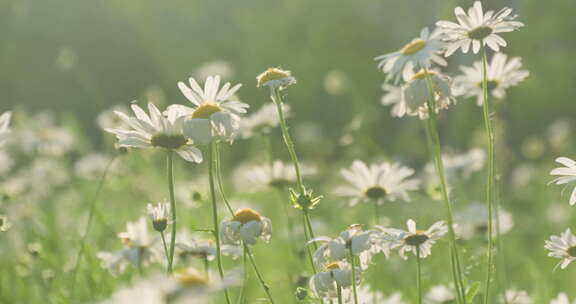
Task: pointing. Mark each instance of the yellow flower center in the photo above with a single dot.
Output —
(422, 74)
(205, 110)
(246, 215)
(271, 74)
(572, 251)
(480, 32)
(413, 47)
(190, 279)
(416, 239)
(333, 266)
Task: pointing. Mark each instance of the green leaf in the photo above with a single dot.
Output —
(472, 291)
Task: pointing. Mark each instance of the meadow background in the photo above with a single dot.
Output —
(75, 59)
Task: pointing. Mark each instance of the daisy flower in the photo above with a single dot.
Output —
(477, 29)
(562, 298)
(155, 130)
(377, 182)
(247, 226)
(214, 114)
(502, 73)
(159, 215)
(4, 126)
(275, 78)
(416, 94)
(562, 247)
(138, 248)
(440, 294)
(361, 243)
(566, 175)
(411, 240)
(325, 283)
(420, 53)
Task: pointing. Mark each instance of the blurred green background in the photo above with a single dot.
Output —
(82, 57)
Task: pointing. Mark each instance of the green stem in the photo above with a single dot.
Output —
(353, 264)
(418, 275)
(490, 195)
(91, 212)
(260, 278)
(166, 252)
(211, 169)
(172, 210)
(206, 268)
(277, 99)
(434, 141)
(219, 176)
(307, 237)
(242, 296)
(339, 290)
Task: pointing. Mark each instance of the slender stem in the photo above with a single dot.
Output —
(91, 212)
(211, 169)
(166, 252)
(353, 264)
(490, 195)
(241, 298)
(260, 278)
(308, 238)
(434, 141)
(172, 209)
(339, 290)
(418, 275)
(219, 176)
(277, 99)
(206, 268)
(376, 212)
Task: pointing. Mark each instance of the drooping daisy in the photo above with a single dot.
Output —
(422, 239)
(247, 226)
(562, 247)
(394, 96)
(138, 248)
(416, 93)
(502, 73)
(155, 130)
(440, 294)
(377, 182)
(4, 126)
(418, 54)
(361, 243)
(566, 175)
(275, 78)
(262, 121)
(562, 298)
(515, 296)
(477, 28)
(214, 114)
(325, 283)
(159, 215)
